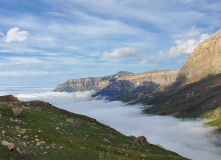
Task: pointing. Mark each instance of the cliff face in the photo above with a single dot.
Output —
(191, 100)
(121, 83)
(204, 61)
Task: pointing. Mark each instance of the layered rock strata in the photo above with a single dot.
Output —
(204, 61)
(121, 83)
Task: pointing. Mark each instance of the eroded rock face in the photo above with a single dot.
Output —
(204, 61)
(121, 83)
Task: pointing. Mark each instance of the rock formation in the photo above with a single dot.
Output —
(18, 112)
(141, 140)
(121, 82)
(204, 61)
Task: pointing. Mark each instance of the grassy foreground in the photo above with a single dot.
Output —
(43, 129)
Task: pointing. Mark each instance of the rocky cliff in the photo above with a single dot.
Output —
(204, 61)
(121, 82)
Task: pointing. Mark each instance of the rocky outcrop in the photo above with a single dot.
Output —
(141, 140)
(75, 123)
(204, 61)
(18, 112)
(8, 98)
(121, 83)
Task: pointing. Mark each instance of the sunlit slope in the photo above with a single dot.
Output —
(52, 133)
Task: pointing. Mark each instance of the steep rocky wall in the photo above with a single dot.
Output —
(204, 61)
(121, 83)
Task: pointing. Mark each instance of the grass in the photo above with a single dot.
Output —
(215, 115)
(92, 140)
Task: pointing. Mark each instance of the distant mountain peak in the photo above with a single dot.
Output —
(123, 72)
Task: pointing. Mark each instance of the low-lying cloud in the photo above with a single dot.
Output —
(189, 138)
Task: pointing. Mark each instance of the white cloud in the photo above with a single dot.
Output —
(1, 34)
(58, 14)
(186, 47)
(190, 33)
(25, 60)
(31, 73)
(122, 54)
(204, 37)
(183, 47)
(154, 57)
(14, 35)
(23, 73)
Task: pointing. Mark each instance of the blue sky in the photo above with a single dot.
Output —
(46, 42)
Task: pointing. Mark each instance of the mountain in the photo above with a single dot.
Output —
(197, 90)
(201, 99)
(121, 83)
(39, 131)
(205, 60)
(191, 100)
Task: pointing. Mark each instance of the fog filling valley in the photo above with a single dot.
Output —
(189, 138)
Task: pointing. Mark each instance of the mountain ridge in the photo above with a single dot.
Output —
(196, 91)
(123, 82)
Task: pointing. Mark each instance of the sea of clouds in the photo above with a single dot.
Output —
(188, 137)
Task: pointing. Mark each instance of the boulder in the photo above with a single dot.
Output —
(159, 145)
(5, 143)
(31, 153)
(19, 121)
(38, 109)
(18, 150)
(8, 145)
(141, 140)
(11, 146)
(18, 112)
(74, 122)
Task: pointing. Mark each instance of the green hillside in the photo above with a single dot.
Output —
(46, 132)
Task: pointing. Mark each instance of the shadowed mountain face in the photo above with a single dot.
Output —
(191, 100)
(121, 83)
